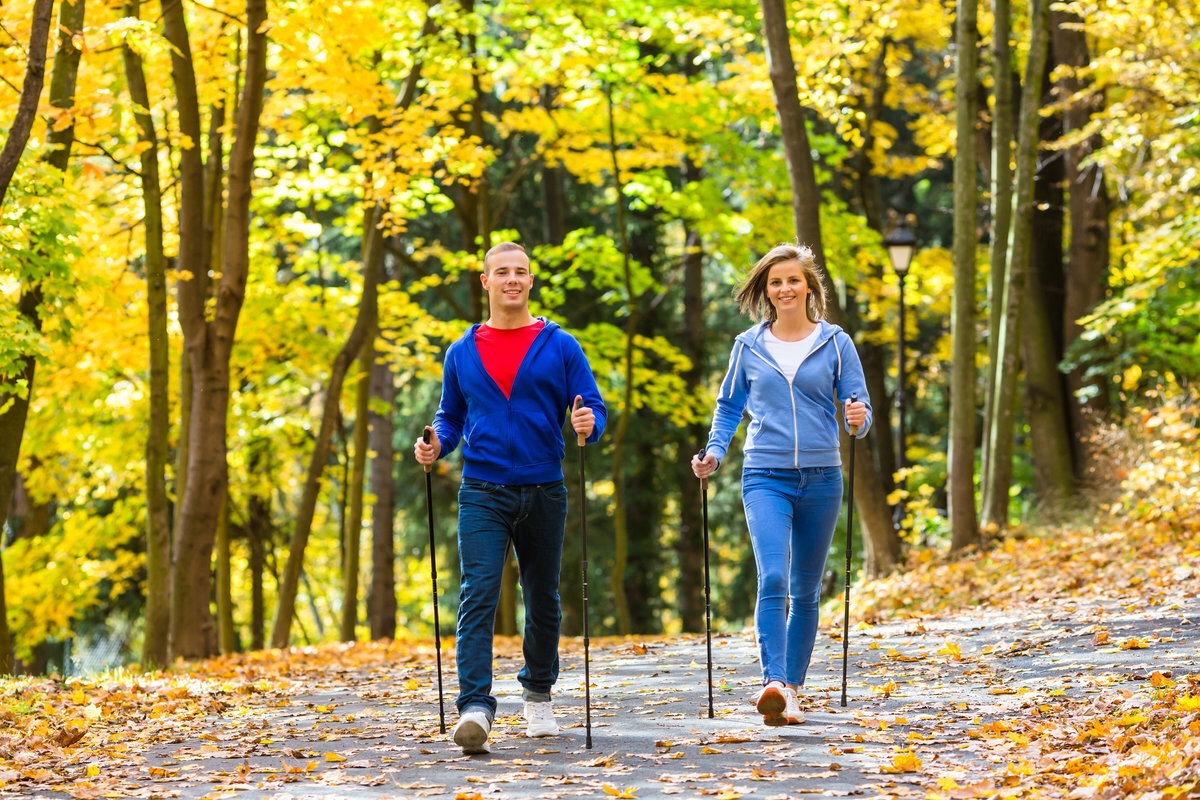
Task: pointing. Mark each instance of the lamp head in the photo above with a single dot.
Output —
(901, 243)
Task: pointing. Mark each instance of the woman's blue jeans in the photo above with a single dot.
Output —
(791, 515)
(532, 517)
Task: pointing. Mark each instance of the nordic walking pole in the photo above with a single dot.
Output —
(707, 596)
(849, 543)
(437, 634)
(581, 439)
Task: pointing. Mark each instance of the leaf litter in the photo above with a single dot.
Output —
(1059, 662)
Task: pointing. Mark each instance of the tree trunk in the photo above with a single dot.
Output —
(226, 635)
(30, 518)
(363, 325)
(689, 548)
(353, 548)
(381, 601)
(14, 147)
(645, 486)
(871, 502)
(648, 486)
(1088, 254)
(182, 456)
(209, 343)
(1043, 388)
(258, 537)
(871, 352)
(998, 408)
(190, 617)
(62, 96)
(961, 458)
(158, 526)
(620, 523)
(554, 194)
(382, 598)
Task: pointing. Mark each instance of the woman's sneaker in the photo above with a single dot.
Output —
(471, 733)
(791, 711)
(539, 719)
(772, 703)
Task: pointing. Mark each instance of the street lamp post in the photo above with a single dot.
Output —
(901, 243)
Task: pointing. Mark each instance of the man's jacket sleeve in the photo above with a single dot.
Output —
(581, 382)
(451, 415)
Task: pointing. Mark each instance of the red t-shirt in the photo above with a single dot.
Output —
(503, 349)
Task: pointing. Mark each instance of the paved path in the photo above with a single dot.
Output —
(369, 729)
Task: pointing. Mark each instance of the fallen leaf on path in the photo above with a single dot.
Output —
(903, 762)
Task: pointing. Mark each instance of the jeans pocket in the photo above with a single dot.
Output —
(476, 485)
(829, 474)
(554, 491)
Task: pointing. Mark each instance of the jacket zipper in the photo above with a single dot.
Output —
(508, 398)
(791, 395)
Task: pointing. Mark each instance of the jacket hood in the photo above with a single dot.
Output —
(752, 336)
(550, 325)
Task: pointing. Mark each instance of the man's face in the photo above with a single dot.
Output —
(507, 280)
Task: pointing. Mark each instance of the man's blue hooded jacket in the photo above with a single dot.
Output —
(518, 439)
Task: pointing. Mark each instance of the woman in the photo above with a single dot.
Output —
(791, 372)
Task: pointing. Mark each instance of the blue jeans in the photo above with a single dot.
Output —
(532, 517)
(791, 515)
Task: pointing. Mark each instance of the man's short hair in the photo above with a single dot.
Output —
(503, 247)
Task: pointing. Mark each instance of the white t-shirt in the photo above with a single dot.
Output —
(790, 355)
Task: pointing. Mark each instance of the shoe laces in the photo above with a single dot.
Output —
(539, 712)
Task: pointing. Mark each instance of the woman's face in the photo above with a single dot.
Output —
(786, 288)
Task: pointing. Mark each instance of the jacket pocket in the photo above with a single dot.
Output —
(484, 437)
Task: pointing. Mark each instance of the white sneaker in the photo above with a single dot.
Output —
(471, 733)
(791, 708)
(539, 720)
(771, 703)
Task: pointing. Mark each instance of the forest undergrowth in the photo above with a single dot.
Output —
(1139, 550)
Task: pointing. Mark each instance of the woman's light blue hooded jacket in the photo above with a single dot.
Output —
(793, 424)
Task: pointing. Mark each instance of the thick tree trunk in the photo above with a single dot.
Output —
(193, 632)
(381, 601)
(18, 137)
(964, 530)
(1088, 254)
(998, 409)
(191, 618)
(209, 343)
(158, 524)
(871, 502)
(353, 545)
(1043, 383)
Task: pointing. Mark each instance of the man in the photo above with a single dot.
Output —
(506, 387)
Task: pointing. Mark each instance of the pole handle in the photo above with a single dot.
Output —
(853, 428)
(580, 438)
(703, 481)
(425, 438)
